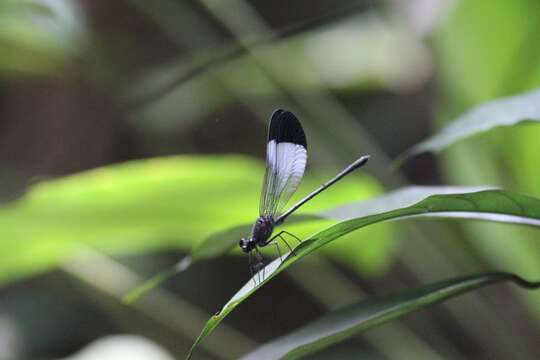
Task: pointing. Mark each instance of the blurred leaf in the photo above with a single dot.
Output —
(345, 322)
(178, 74)
(492, 205)
(141, 205)
(502, 112)
(345, 66)
(484, 51)
(168, 202)
(37, 36)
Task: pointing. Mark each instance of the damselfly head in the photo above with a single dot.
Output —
(246, 245)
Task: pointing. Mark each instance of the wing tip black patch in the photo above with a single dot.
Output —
(285, 127)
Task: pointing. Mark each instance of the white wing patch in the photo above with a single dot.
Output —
(286, 164)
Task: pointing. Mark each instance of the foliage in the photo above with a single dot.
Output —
(492, 205)
(342, 323)
(194, 78)
(170, 202)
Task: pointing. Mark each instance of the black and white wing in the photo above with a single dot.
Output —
(286, 157)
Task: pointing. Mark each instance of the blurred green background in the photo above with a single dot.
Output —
(132, 130)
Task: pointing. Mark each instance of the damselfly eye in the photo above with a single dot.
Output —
(243, 243)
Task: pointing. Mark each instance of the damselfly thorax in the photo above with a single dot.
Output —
(260, 235)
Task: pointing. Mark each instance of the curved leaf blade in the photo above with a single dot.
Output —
(501, 112)
(347, 321)
(492, 205)
(222, 242)
(396, 199)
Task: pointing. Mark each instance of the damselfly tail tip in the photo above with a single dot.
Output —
(361, 161)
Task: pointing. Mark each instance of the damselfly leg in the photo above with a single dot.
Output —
(291, 234)
(278, 250)
(256, 264)
(250, 265)
(280, 236)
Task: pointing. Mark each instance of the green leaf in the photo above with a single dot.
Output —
(483, 50)
(347, 321)
(502, 112)
(492, 205)
(161, 203)
(127, 208)
(38, 37)
(483, 53)
(242, 78)
(399, 198)
(222, 242)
